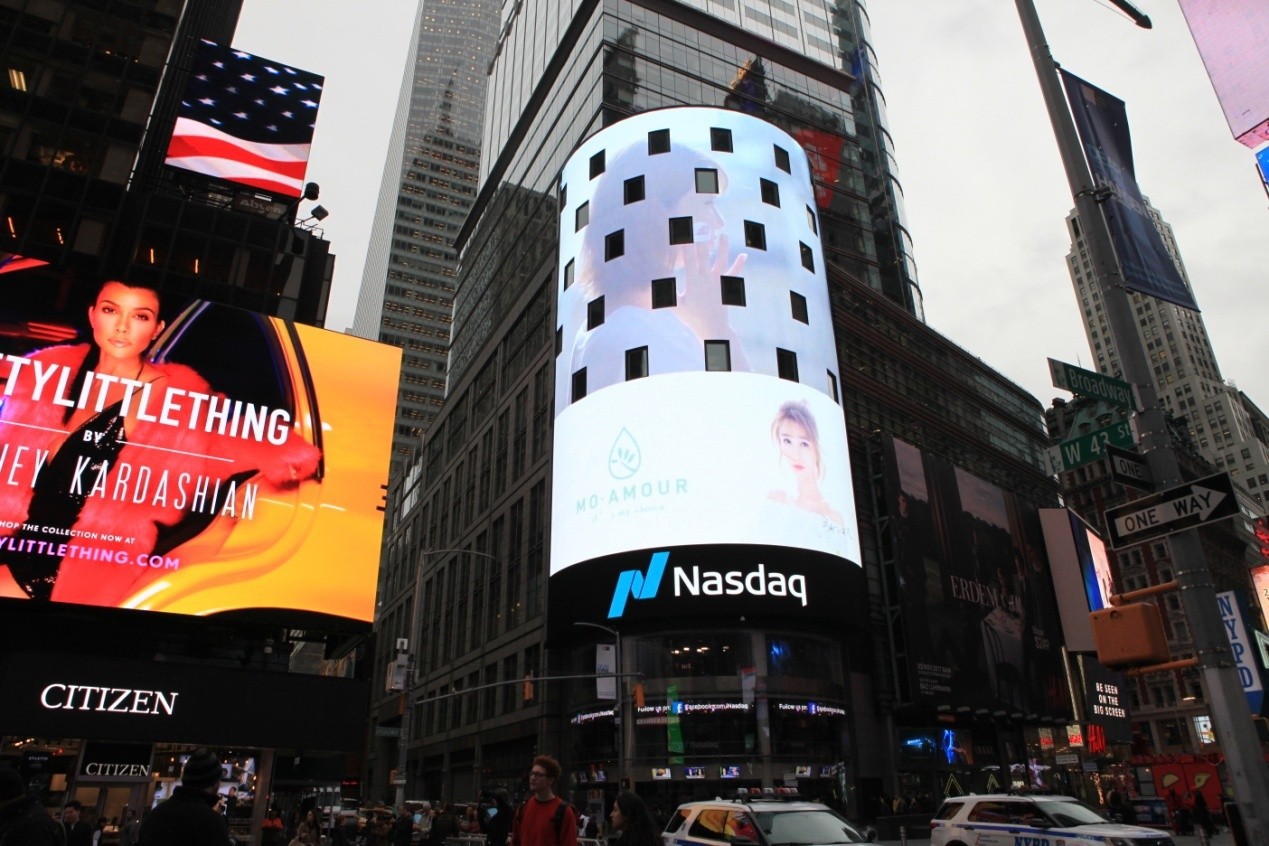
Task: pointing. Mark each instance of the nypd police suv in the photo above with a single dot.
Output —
(770, 817)
(1009, 820)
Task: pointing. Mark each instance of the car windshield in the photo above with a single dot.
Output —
(1072, 812)
(801, 828)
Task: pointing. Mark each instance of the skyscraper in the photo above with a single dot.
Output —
(470, 565)
(1224, 423)
(428, 187)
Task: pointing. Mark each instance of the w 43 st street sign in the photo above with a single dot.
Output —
(1087, 448)
(1197, 503)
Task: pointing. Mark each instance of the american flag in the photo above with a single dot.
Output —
(247, 120)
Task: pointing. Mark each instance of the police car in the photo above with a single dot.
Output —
(1017, 820)
(760, 819)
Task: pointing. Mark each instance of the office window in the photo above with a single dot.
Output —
(636, 363)
(568, 275)
(720, 139)
(770, 192)
(797, 305)
(597, 164)
(811, 221)
(582, 218)
(733, 290)
(658, 141)
(808, 257)
(634, 190)
(579, 384)
(563, 196)
(664, 293)
(614, 244)
(706, 181)
(718, 355)
(681, 230)
(559, 339)
(787, 364)
(755, 235)
(782, 158)
(832, 386)
(595, 313)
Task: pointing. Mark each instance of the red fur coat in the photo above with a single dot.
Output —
(28, 429)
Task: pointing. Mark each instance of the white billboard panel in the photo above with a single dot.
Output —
(701, 458)
(697, 393)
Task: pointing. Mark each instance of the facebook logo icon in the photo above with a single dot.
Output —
(632, 583)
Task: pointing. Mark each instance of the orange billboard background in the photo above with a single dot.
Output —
(291, 525)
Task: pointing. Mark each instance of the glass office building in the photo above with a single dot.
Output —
(467, 555)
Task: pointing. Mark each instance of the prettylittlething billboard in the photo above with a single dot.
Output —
(697, 400)
(191, 458)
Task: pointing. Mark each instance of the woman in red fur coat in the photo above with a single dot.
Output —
(79, 432)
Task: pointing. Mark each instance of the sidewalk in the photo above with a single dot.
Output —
(1223, 838)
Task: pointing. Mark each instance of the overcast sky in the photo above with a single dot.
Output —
(985, 192)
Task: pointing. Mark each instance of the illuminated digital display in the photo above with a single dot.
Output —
(213, 461)
(246, 120)
(697, 394)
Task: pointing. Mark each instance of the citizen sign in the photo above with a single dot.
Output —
(115, 700)
(96, 768)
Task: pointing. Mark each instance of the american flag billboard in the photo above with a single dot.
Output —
(246, 120)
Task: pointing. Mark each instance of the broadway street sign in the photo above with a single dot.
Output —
(1089, 383)
(1174, 510)
(1086, 448)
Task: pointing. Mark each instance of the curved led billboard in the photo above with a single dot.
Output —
(198, 460)
(697, 400)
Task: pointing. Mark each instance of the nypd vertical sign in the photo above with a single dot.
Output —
(1244, 656)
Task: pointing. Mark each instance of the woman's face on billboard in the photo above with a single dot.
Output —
(797, 448)
(124, 320)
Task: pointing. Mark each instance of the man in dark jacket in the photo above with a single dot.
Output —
(78, 831)
(188, 817)
(23, 820)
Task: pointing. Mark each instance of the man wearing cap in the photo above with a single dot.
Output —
(23, 820)
(189, 817)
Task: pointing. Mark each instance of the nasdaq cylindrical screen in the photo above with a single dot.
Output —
(700, 463)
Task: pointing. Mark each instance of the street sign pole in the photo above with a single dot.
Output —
(1230, 715)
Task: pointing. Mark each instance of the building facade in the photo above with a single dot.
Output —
(468, 579)
(86, 111)
(429, 185)
(1224, 424)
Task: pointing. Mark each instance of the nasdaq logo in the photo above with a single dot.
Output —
(633, 583)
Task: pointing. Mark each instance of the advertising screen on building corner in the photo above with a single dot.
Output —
(246, 120)
(698, 419)
(191, 458)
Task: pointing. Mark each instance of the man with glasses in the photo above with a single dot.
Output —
(544, 819)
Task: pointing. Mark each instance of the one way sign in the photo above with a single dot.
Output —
(1174, 510)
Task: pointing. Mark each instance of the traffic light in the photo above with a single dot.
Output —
(1129, 635)
(528, 687)
(638, 694)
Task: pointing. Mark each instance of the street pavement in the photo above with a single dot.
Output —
(1222, 838)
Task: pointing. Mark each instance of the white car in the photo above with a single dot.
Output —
(1020, 820)
(760, 820)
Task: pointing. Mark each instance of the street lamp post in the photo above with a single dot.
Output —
(403, 741)
(1225, 697)
(620, 715)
